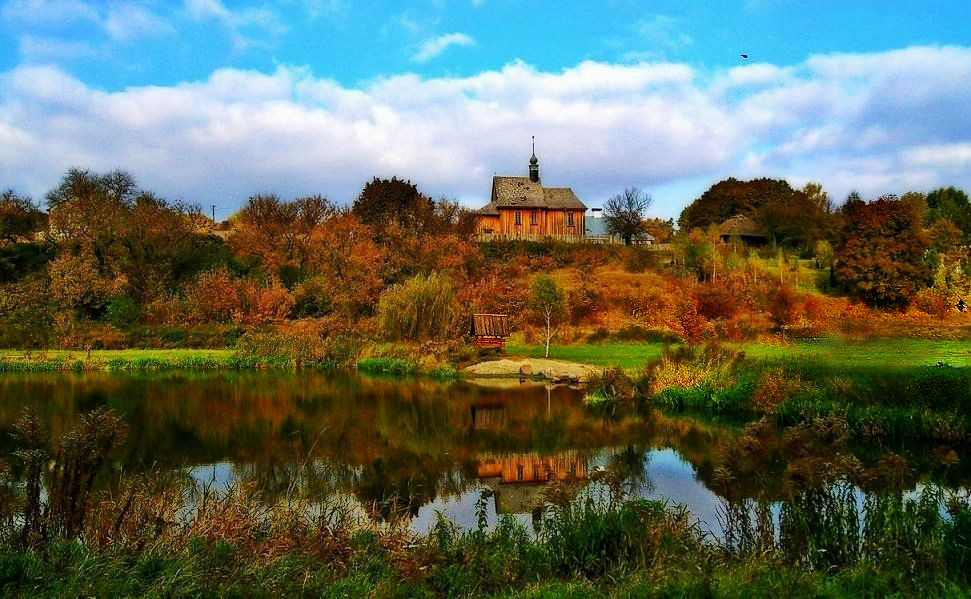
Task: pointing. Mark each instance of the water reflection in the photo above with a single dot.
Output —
(415, 448)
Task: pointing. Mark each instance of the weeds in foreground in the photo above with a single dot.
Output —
(164, 536)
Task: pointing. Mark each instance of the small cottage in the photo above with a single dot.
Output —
(743, 228)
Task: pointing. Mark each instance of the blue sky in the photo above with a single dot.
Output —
(212, 100)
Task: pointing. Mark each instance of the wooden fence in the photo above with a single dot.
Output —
(597, 239)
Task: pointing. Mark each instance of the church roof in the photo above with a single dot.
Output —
(520, 192)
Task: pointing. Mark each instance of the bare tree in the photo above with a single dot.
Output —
(624, 213)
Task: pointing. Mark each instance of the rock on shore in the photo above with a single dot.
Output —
(516, 367)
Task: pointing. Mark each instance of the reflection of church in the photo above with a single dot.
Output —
(532, 467)
(518, 479)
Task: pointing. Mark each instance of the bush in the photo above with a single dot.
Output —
(122, 312)
(312, 299)
(612, 385)
(640, 258)
(212, 296)
(420, 309)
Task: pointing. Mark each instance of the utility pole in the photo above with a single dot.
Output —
(213, 206)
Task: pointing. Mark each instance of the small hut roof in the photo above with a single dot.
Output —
(489, 209)
(491, 325)
(740, 226)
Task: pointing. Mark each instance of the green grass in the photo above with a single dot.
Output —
(629, 356)
(128, 359)
(881, 353)
(106, 355)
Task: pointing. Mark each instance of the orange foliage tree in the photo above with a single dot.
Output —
(880, 255)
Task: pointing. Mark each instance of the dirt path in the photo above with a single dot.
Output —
(519, 367)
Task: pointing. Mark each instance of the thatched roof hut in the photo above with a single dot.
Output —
(744, 228)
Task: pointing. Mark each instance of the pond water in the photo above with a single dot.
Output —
(417, 448)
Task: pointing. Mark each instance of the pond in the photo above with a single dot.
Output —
(417, 448)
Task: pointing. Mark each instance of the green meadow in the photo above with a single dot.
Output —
(882, 353)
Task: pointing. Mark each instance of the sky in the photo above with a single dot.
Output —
(211, 101)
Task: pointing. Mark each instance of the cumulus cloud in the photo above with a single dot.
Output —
(436, 45)
(880, 123)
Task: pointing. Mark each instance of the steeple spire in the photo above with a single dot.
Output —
(534, 164)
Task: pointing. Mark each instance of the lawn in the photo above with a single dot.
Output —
(122, 359)
(629, 356)
(835, 353)
(106, 355)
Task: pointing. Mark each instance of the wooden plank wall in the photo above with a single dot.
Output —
(548, 222)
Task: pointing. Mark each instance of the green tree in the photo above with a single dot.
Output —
(383, 201)
(624, 214)
(952, 204)
(729, 197)
(795, 219)
(881, 254)
(549, 304)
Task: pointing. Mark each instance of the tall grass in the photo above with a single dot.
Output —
(162, 535)
(877, 402)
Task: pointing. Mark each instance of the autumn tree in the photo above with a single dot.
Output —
(161, 245)
(279, 234)
(19, 218)
(345, 265)
(549, 304)
(662, 230)
(881, 251)
(624, 214)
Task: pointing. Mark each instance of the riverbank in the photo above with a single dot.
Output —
(630, 356)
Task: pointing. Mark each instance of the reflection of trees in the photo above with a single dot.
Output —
(420, 440)
(395, 487)
(630, 464)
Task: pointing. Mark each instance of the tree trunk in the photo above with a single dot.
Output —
(549, 336)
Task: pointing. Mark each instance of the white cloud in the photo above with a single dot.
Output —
(35, 48)
(436, 45)
(125, 22)
(599, 127)
(48, 13)
(238, 22)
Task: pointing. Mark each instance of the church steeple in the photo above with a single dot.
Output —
(534, 164)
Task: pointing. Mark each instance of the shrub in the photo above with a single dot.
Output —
(312, 299)
(610, 386)
(122, 311)
(420, 309)
(213, 296)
